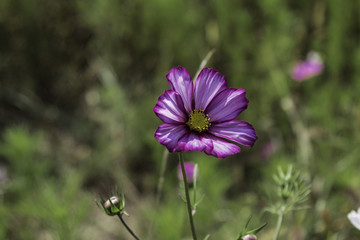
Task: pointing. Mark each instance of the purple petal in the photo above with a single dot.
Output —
(306, 69)
(238, 131)
(221, 148)
(169, 134)
(227, 105)
(181, 82)
(195, 142)
(170, 108)
(208, 84)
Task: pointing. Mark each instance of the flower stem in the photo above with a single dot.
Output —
(127, 227)
(188, 203)
(162, 177)
(300, 130)
(278, 225)
(159, 190)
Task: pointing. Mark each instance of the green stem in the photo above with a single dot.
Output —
(278, 225)
(188, 203)
(127, 227)
(159, 190)
(162, 177)
(299, 128)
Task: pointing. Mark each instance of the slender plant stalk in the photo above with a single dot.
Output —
(159, 189)
(204, 62)
(278, 225)
(188, 203)
(283, 89)
(299, 128)
(127, 227)
(162, 177)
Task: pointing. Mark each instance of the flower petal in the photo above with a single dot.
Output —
(195, 142)
(170, 108)
(180, 81)
(227, 105)
(354, 218)
(307, 69)
(169, 134)
(221, 148)
(238, 131)
(208, 84)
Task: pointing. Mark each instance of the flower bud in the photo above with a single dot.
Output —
(250, 237)
(189, 171)
(114, 205)
(112, 201)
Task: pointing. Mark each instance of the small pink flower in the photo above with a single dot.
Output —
(189, 171)
(311, 67)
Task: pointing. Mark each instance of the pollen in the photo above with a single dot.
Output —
(198, 121)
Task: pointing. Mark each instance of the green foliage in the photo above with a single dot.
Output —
(34, 200)
(171, 220)
(57, 206)
(23, 151)
(292, 192)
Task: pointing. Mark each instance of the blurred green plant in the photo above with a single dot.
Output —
(22, 149)
(292, 192)
(37, 202)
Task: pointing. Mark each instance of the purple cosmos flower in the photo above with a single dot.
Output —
(189, 171)
(201, 117)
(311, 67)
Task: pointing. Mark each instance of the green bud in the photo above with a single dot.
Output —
(114, 205)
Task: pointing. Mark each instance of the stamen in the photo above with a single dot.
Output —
(198, 121)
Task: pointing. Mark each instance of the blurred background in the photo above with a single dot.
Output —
(79, 80)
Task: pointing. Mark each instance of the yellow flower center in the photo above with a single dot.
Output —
(198, 121)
